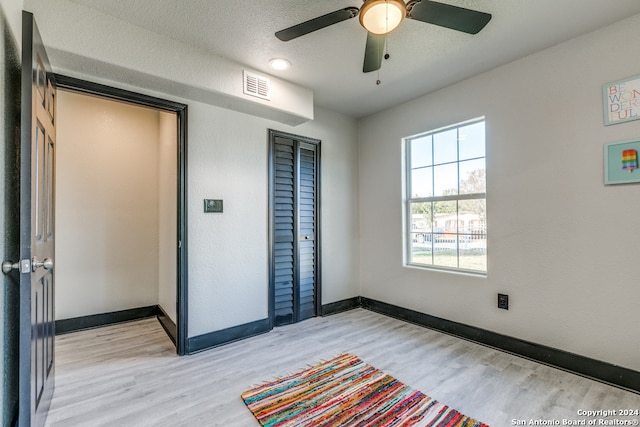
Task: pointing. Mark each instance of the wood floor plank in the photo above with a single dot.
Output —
(128, 374)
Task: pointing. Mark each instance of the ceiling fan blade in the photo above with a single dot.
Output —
(317, 23)
(373, 52)
(446, 15)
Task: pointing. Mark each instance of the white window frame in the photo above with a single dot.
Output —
(408, 200)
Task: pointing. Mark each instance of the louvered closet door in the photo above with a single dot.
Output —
(294, 219)
(307, 230)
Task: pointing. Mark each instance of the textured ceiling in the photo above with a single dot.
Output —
(424, 57)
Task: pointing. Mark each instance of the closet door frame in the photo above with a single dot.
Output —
(273, 134)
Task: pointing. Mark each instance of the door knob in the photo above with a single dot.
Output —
(46, 263)
(24, 266)
(7, 266)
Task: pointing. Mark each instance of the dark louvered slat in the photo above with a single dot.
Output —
(306, 247)
(283, 156)
(308, 280)
(283, 180)
(283, 258)
(284, 171)
(306, 229)
(285, 187)
(283, 193)
(284, 204)
(283, 300)
(306, 304)
(306, 293)
(282, 291)
(284, 265)
(284, 281)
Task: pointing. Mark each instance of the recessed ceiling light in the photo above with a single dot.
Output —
(280, 64)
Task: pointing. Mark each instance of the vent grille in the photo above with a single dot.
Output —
(255, 85)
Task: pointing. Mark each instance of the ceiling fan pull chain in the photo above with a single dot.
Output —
(378, 70)
(386, 47)
(380, 60)
(386, 21)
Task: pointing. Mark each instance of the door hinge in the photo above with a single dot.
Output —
(24, 266)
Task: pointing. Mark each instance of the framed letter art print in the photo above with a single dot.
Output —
(621, 101)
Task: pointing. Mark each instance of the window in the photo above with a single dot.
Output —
(446, 224)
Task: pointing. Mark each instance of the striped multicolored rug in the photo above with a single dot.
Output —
(345, 391)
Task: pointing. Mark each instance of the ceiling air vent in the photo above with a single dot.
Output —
(255, 85)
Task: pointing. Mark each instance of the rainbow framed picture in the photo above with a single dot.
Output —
(621, 162)
(621, 101)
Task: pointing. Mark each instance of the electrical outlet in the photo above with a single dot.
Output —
(503, 301)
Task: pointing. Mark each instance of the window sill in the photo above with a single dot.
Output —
(470, 273)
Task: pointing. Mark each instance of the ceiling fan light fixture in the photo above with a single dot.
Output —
(382, 16)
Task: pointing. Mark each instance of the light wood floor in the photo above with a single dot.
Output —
(129, 375)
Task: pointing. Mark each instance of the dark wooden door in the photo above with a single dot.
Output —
(294, 219)
(37, 193)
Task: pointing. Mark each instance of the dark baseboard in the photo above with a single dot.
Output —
(225, 336)
(168, 325)
(595, 369)
(575, 363)
(340, 306)
(66, 326)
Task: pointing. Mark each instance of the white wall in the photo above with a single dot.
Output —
(105, 49)
(167, 213)
(559, 240)
(228, 262)
(106, 207)
(12, 10)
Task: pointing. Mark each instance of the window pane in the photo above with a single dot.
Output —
(473, 252)
(472, 177)
(445, 250)
(421, 150)
(445, 147)
(445, 180)
(421, 217)
(472, 216)
(421, 182)
(445, 217)
(421, 252)
(471, 141)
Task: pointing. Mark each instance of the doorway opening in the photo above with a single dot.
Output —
(121, 179)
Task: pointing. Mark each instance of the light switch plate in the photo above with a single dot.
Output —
(213, 205)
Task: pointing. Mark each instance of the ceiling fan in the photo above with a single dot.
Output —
(380, 17)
